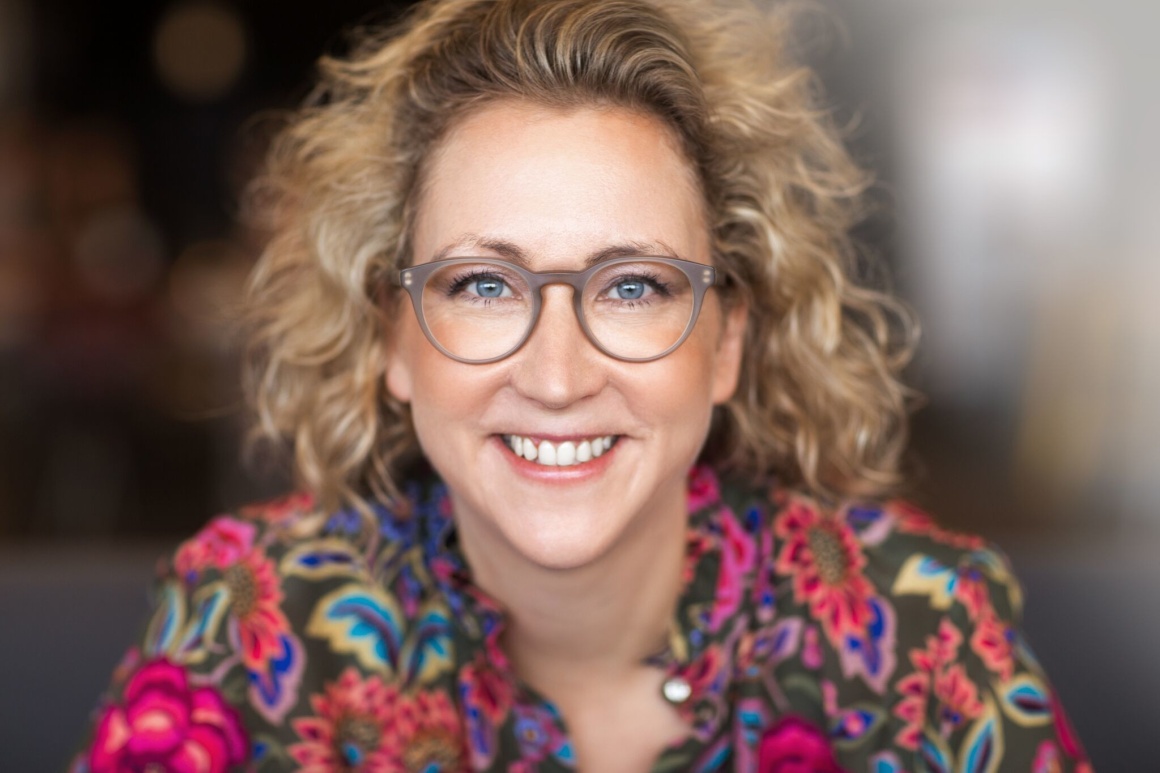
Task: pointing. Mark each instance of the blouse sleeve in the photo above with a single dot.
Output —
(989, 706)
(177, 698)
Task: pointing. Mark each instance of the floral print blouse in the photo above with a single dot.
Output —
(807, 639)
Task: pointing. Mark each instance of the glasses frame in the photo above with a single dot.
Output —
(414, 279)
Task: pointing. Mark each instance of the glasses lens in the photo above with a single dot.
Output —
(477, 311)
(639, 309)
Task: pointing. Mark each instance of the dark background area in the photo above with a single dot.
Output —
(126, 137)
(121, 408)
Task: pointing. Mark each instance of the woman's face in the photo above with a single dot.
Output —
(554, 188)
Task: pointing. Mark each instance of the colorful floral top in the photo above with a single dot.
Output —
(807, 639)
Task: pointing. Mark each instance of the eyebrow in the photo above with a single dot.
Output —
(511, 251)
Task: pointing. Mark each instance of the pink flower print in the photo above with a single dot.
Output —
(935, 671)
(943, 647)
(914, 689)
(824, 559)
(704, 489)
(994, 642)
(703, 672)
(697, 544)
(958, 695)
(485, 689)
(486, 696)
(794, 745)
(812, 650)
(222, 542)
(972, 592)
(163, 724)
(256, 606)
(1064, 731)
(1047, 759)
(910, 520)
(738, 555)
(255, 596)
(431, 735)
(356, 724)
(280, 509)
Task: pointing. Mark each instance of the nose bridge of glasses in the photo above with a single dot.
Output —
(574, 279)
(542, 280)
(570, 282)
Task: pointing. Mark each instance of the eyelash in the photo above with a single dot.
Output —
(651, 280)
(462, 282)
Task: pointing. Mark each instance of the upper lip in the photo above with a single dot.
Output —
(561, 438)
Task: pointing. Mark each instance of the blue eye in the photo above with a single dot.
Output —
(489, 287)
(629, 290)
(469, 283)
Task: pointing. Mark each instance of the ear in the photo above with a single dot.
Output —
(398, 368)
(398, 379)
(730, 349)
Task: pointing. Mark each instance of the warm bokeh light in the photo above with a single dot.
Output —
(205, 292)
(119, 256)
(200, 49)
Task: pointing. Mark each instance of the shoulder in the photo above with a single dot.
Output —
(890, 549)
(886, 573)
(267, 625)
(872, 581)
(231, 537)
(263, 597)
(292, 537)
(914, 631)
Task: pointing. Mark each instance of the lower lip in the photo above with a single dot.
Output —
(575, 473)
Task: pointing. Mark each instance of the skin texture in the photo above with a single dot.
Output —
(559, 548)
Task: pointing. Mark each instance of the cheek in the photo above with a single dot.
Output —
(444, 395)
(438, 402)
(680, 393)
(440, 389)
(418, 374)
(415, 374)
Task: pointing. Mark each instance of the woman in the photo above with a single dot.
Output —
(596, 433)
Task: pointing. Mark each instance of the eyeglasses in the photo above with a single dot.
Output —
(480, 310)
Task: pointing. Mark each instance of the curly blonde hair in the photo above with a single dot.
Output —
(819, 403)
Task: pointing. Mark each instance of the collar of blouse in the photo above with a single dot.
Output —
(718, 604)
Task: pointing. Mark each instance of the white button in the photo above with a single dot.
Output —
(676, 690)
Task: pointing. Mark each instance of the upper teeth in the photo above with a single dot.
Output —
(564, 454)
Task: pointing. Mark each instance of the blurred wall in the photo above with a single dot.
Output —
(1015, 145)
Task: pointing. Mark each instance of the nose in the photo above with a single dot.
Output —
(558, 365)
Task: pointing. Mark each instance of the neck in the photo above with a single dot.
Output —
(602, 619)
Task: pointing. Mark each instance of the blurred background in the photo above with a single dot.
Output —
(1015, 145)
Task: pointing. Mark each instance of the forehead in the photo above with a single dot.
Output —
(558, 183)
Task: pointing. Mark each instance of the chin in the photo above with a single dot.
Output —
(569, 541)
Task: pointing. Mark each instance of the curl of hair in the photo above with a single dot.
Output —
(819, 403)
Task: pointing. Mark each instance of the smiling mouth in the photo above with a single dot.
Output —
(564, 454)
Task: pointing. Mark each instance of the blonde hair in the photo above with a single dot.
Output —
(819, 403)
